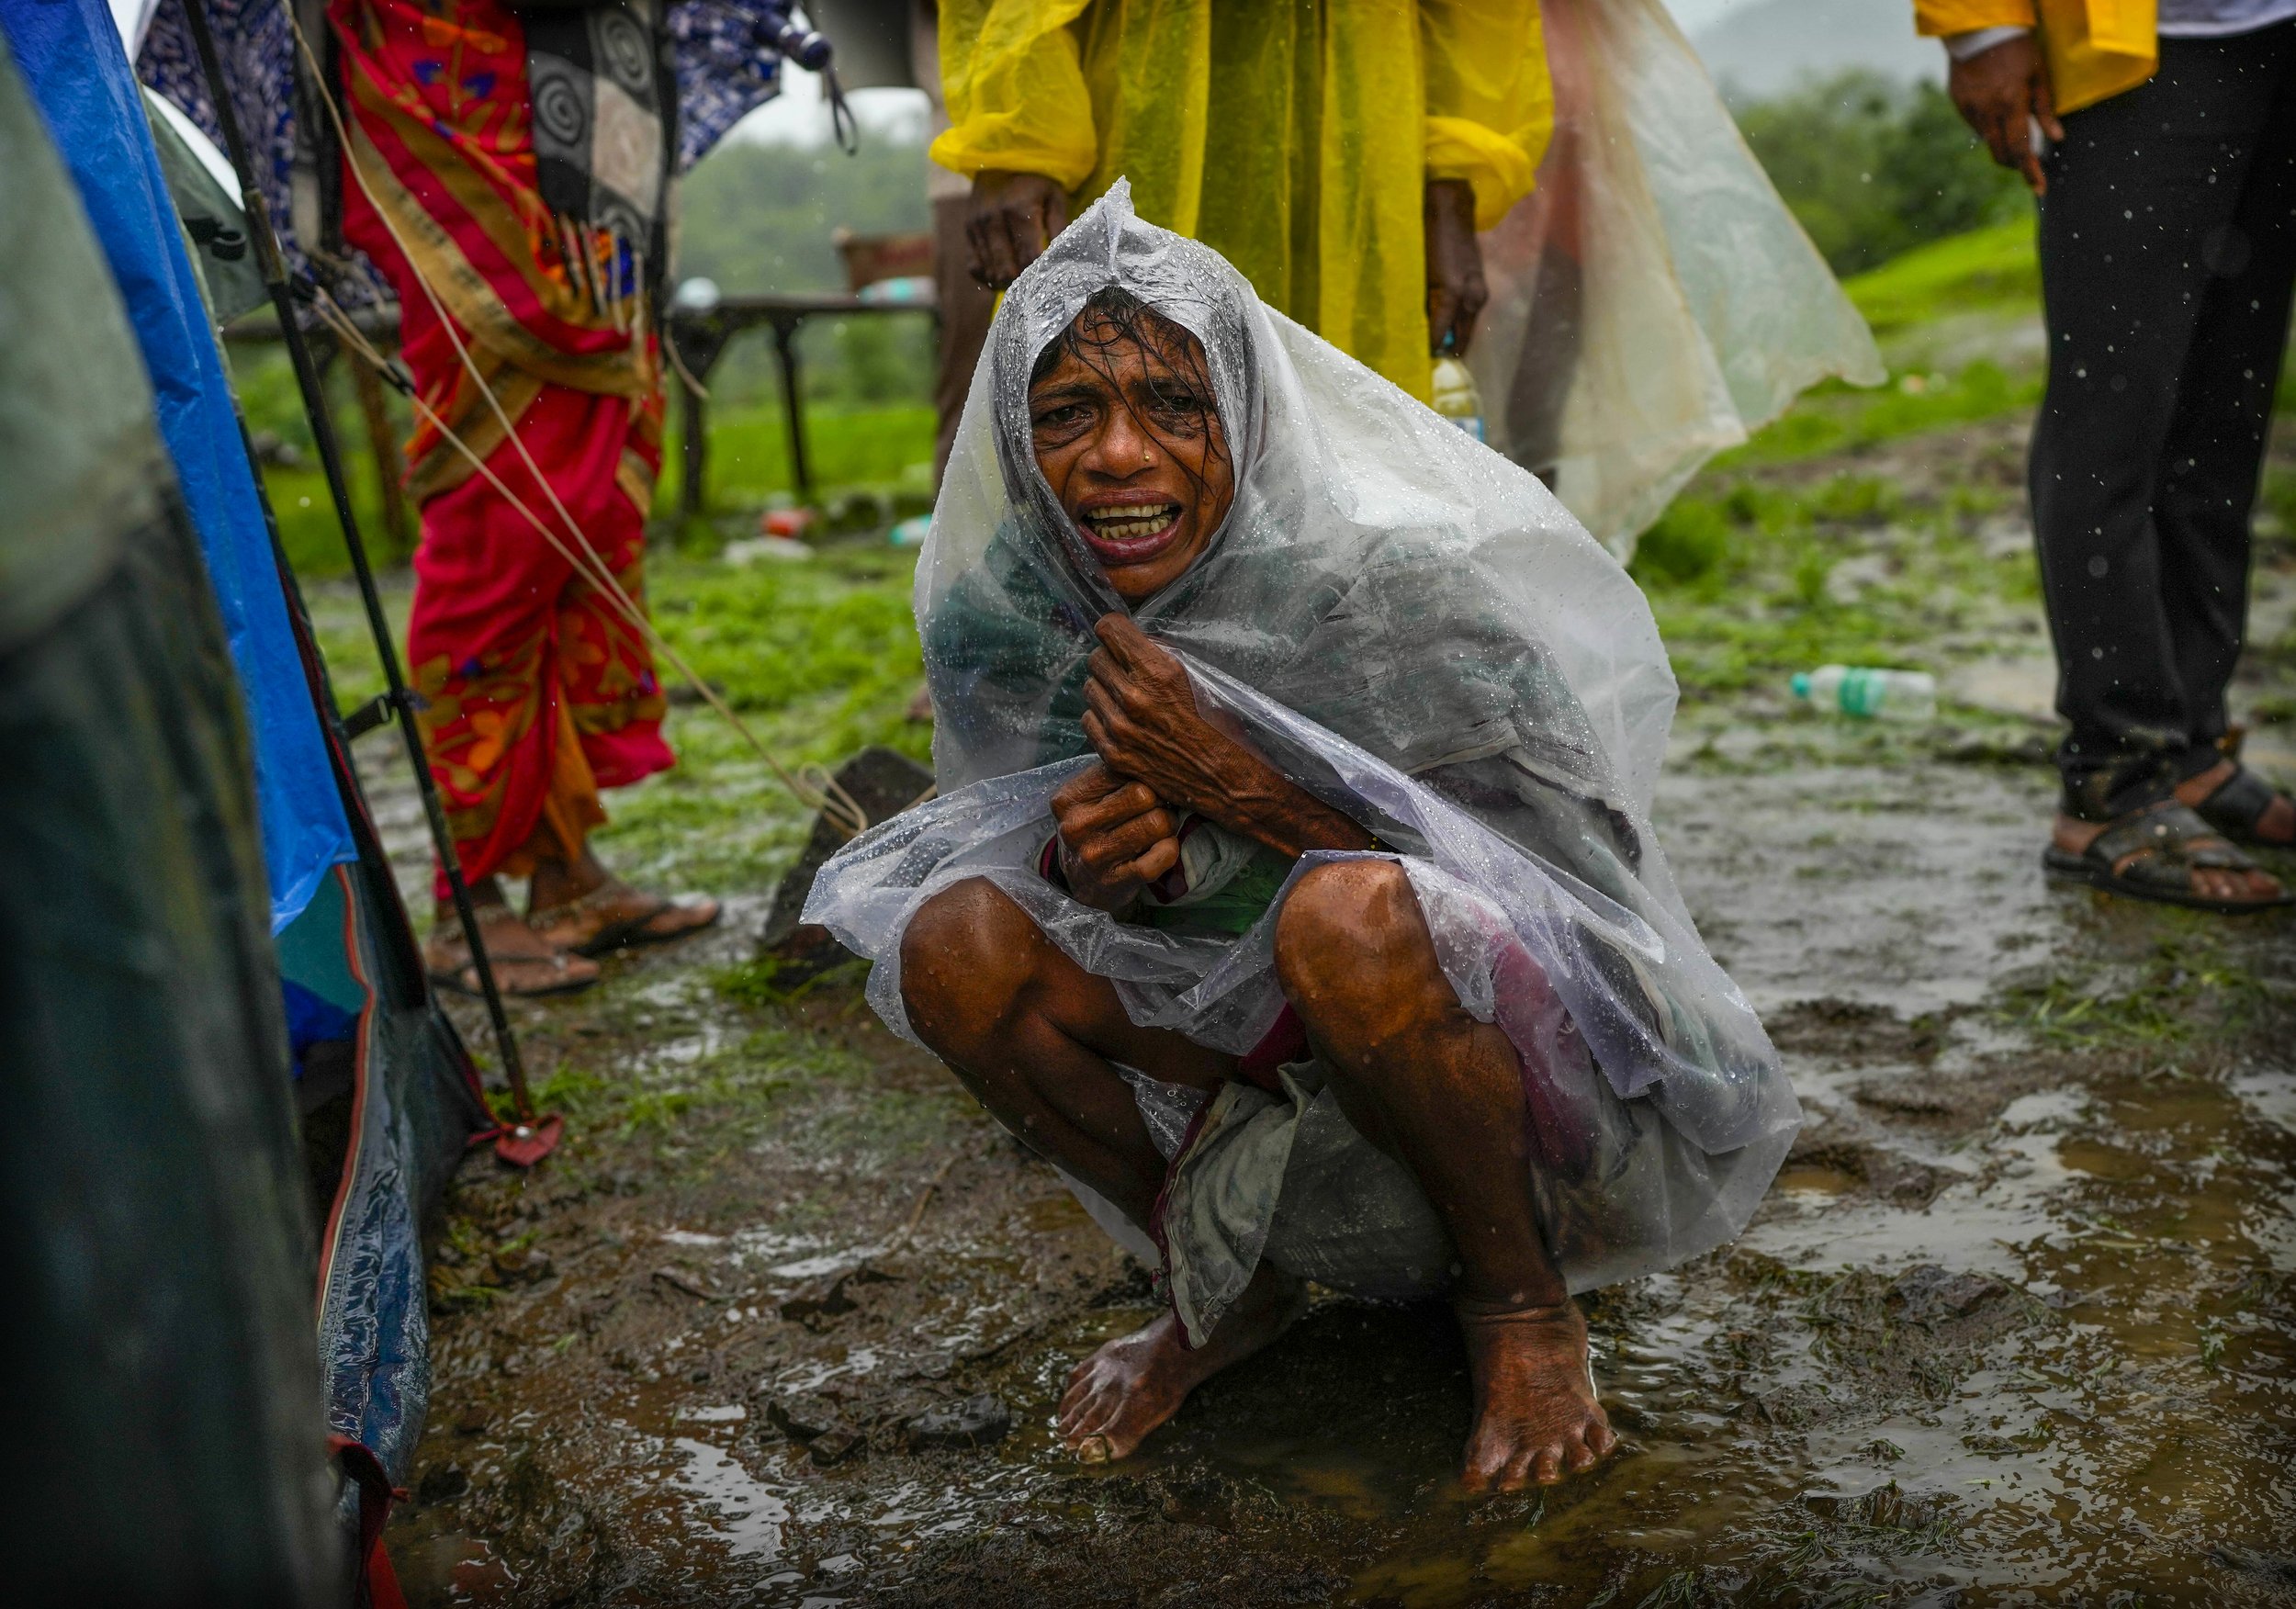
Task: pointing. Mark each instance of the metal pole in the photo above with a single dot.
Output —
(785, 348)
(274, 265)
(691, 490)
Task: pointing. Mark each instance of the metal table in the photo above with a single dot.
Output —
(701, 335)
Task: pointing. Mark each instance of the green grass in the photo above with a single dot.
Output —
(886, 450)
(1834, 418)
(820, 658)
(1986, 269)
(307, 528)
(2193, 987)
(1738, 573)
(748, 458)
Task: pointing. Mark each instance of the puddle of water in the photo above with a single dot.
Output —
(714, 1413)
(750, 1515)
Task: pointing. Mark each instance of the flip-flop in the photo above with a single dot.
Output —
(2151, 854)
(629, 932)
(562, 974)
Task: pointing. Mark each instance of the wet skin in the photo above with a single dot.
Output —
(1037, 1037)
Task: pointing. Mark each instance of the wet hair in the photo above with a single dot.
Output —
(1113, 318)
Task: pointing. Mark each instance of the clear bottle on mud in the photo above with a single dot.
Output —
(1863, 693)
(1456, 395)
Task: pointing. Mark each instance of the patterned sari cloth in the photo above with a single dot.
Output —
(539, 691)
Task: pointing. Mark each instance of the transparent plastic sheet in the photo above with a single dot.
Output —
(1652, 301)
(1412, 629)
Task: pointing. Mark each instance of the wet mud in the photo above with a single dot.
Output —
(2013, 1326)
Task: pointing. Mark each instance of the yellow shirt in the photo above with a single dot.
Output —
(1295, 137)
(2096, 47)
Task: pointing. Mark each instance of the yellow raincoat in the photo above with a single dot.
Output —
(2095, 48)
(1295, 137)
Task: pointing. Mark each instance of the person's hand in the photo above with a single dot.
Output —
(1116, 837)
(1456, 292)
(1142, 718)
(2001, 93)
(1014, 218)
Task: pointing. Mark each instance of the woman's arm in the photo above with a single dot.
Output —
(1142, 719)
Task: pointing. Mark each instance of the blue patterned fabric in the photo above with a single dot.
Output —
(726, 68)
(258, 52)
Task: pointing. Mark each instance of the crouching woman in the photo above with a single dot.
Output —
(1292, 887)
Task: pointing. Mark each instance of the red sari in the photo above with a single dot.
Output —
(539, 691)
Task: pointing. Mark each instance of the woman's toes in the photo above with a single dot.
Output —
(1602, 1438)
(1485, 1471)
(1578, 1457)
(1548, 1467)
(1074, 1415)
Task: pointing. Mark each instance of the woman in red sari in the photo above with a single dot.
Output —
(539, 692)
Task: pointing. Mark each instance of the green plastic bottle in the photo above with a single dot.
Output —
(1863, 693)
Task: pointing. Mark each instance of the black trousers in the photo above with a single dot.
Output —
(2167, 255)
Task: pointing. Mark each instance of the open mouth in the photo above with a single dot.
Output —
(1128, 533)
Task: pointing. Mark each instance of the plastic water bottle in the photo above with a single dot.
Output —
(1456, 397)
(1863, 693)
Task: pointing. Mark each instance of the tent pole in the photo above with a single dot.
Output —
(274, 266)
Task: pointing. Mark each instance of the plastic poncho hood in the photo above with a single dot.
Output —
(1403, 621)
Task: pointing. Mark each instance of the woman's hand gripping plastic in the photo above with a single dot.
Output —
(1143, 720)
(1116, 837)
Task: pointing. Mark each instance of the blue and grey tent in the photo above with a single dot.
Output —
(170, 997)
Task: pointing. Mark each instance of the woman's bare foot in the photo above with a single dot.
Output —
(1135, 1383)
(581, 906)
(615, 916)
(523, 962)
(1535, 1416)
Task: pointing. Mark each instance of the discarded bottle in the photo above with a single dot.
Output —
(1863, 693)
(1456, 397)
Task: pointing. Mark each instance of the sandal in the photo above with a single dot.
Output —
(446, 958)
(585, 927)
(2151, 854)
(2237, 806)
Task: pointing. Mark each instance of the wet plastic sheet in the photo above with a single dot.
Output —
(1410, 629)
(1652, 301)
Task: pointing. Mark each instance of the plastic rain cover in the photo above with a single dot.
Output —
(1415, 631)
(1652, 301)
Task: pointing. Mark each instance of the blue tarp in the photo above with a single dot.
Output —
(69, 51)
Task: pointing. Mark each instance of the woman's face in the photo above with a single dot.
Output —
(1129, 438)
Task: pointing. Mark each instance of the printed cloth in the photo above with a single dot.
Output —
(600, 125)
(724, 68)
(538, 691)
(1412, 629)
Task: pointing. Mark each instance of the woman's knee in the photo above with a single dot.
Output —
(1348, 930)
(966, 956)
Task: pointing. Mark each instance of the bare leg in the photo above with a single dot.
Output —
(1035, 1037)
(1443, 1093)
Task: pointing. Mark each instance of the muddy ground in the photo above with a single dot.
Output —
(2013, 1326)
